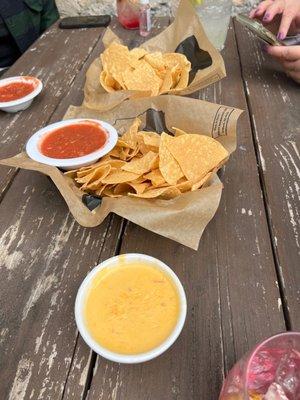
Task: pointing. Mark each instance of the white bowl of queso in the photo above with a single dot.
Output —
(73, 143)
(130, 308)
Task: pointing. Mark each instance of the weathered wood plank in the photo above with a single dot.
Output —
(83, 361)
(274, 101)
(44, 257)
(54, 336)
(55, 58)
(230, 281)
(39, 364)
(83, 356)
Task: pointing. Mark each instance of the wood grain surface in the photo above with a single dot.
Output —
(55, 58)
(274, 104)
(234, 264)
(241, 285)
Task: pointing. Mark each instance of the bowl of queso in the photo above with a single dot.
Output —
(130, 308)
(72, 143)
(17, 93)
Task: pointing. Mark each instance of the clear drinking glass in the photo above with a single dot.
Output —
(270, 371)
(128, 13)
(215, 18)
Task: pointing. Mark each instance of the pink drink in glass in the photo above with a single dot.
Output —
(271, 371)
(128, 13)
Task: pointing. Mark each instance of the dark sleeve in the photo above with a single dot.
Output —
(49, 14)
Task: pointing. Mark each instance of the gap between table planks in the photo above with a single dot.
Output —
(274, 103)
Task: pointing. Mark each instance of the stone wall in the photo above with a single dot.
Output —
(92, 7)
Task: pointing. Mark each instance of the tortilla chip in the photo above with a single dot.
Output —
(155, 177)
(116, 59)
(120, 176)
(174, 59)
(109, 191)
(106, 83)
(163, 193)
(97, 173)
(138, 52)
(121, 143)
(155, 60)
(130, 187)
(99, 191)
(178, 132)
(167, 83)
(184, 186)
(184, 79)
(131, 136)
(148, 141)
(142, 78)
(168, 165)
(196, 154)
(141, 165)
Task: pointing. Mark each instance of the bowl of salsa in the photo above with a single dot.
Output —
(18, 92)
(130, 308)
(72, 143)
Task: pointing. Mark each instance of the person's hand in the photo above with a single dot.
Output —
(289, 9)
(289, 57)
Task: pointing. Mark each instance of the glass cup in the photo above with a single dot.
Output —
(215, 18)
(270, 371)
(128, 13)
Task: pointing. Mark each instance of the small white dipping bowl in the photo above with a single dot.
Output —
(24, 102)
(123, 358)
(33, 145)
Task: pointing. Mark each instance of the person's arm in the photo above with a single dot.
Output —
(49, 14)
(289, 57)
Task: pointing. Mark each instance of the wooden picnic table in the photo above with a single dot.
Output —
(242, 285)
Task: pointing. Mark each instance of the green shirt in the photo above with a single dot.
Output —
(21, 23)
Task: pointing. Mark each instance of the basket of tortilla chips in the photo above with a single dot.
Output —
(180, 60)
(162, 173)
(152, 165)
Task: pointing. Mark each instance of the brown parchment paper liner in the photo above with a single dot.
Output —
(184, 35)
(182, 219)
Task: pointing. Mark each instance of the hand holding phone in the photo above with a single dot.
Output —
(259, 30)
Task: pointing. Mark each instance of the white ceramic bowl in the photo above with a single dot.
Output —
(24, 102)
(33, 150)
(122, 358)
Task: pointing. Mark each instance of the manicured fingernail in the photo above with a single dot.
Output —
(266, 17)
(280, 36)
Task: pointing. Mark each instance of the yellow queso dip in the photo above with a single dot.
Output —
(131, 308)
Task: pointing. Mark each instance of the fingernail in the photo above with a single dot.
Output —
(280, 36)
(266, 17)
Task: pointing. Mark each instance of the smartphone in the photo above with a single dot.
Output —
(259, 30)
(89, 21)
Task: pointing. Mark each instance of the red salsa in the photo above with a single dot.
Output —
(15, 90)
(73, 141)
